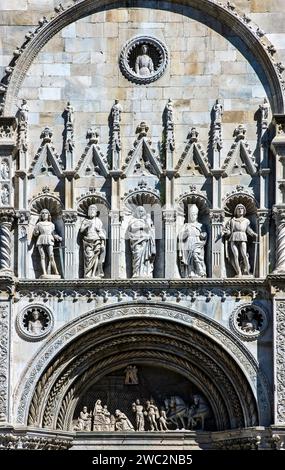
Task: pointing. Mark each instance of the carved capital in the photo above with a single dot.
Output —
(7, 216)
(23, 217)
(217, 217)
(263, 216)
(69, 217)
(8, 126)
(169, 216)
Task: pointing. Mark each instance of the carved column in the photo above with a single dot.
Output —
(23, 218)
(6, 220)
(71, 252)
(4, 362)
(115, 242)
(279, 361)
(263, 238)
(279, 216)
(217, 265)
(170, 264)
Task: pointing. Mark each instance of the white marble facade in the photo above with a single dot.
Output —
(142, 219)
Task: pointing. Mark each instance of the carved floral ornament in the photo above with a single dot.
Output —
(34, 322)
(143, 59)
(249, 322)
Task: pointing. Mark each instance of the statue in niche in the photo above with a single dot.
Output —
(139, 410)
(141, 234)
(35, 324)
(131, 377)
(236, 232)
(144, 64)
(191, 243)
(5, 195)
(249, 323)
(84, 421)
(94, 244)
(122, 422)
(4, 170)
(46, 236)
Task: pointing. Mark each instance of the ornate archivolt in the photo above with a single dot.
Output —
(91, 345)
(253, 38)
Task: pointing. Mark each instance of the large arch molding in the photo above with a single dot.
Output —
(251, 40)
(111, 337)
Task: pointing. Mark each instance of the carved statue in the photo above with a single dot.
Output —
(153, 414)
(191, 242)
(84, 421)
(5, 195)
(116, 112)
(101, 417)
(122, 422)
(35, 324)
(144, 64)
(69, 113)
(264, 110)
(198, 412)
(236, 230)
(93, 244)
(23, 111)
(249, 324)
(141, 234)
(163, 420)
(45, 231)
(4, 170)
(131, 377)
(218, 111)
(138, 409)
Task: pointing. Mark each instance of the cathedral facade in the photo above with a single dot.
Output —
(142, 225)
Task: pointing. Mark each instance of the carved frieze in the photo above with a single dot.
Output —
(4, 362)
(280, 362)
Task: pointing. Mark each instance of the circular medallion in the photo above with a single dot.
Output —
(248, 322)
(143, 59)
(34, 322)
